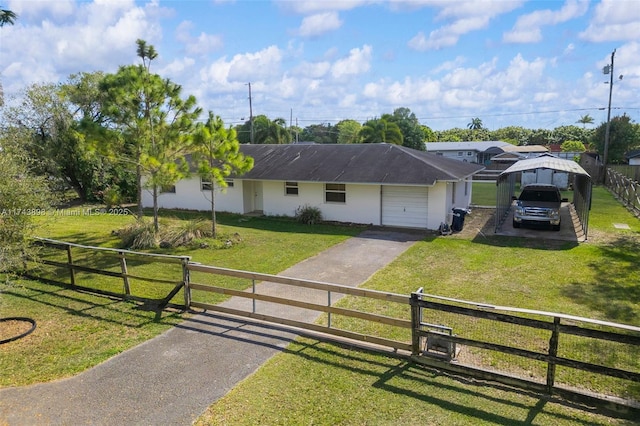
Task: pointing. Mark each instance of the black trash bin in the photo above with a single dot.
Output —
(458, 219)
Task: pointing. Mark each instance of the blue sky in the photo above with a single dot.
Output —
(536, 64)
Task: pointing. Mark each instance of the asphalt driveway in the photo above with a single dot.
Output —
(173, 378)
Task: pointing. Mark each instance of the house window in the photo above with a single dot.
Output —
(229, 183)
(460, 153)
(205, 184)
(439, 153)
(169, 189)
(335, 193)
(291, 188)
(469, 153)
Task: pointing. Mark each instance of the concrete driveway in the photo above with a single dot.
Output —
(172, 378)
(570, 229)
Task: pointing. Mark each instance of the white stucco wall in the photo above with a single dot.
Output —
(362, 201)
(188, 196)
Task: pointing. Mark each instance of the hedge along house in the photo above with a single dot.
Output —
(546, 167)
(378, 184)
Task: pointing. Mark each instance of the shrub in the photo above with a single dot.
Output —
(138, 235)
(184, 232)
(111, 197)
(308, 215)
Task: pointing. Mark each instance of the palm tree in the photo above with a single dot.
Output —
(475, 124)
(7, 17)
(380, 130)
(585, 119)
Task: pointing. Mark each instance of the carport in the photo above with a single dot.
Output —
(506, 184)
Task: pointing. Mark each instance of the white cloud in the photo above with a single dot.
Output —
(312, 69)
(465, 17)
(449, 65)
(614, 21)
(201, 45)
(316, 6)
(56, 10)
(95, 36)
(527, 28)
(245, 67)
(318, 24)
(358, 62)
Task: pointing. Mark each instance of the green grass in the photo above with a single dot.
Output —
(76, 330)
(483, 193)
(321, 383)
(313, 382)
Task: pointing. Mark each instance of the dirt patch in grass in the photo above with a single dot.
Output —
(11, 329)
(481, 221)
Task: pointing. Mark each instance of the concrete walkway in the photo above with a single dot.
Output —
(172, 378)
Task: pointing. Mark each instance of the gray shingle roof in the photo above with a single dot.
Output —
(357, 163)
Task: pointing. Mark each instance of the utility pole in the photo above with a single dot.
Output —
(250, 115)
(608, 69)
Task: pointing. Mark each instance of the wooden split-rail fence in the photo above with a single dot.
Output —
(580, 359)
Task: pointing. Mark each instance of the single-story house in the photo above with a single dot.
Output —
(377, 184)
(472, 152)
(482, 152)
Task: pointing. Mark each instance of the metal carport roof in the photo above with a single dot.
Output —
(581, 186)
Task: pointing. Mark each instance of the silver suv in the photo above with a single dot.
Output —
(538, 204)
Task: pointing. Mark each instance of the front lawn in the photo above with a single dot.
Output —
(321, 383)
(314, 382)
(76, 330)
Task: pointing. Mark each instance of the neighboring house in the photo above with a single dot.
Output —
(377, 184)
(482, 152)
(545, 173)
(633, 157)
(472, 152)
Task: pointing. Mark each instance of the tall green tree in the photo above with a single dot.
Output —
(623, 136)
(348, 131)
(323, 133)
(154, 121)
(23, 196)
(52, 135)
(413, 135)
(216, 154)
(271, 131)
(380, 130)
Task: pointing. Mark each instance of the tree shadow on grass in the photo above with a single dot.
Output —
(615, 291)
(84, 304)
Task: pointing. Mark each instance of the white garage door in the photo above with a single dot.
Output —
(405, 206)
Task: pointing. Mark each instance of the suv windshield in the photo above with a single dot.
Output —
(540, 196)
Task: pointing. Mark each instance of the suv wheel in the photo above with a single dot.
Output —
(516, 224)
